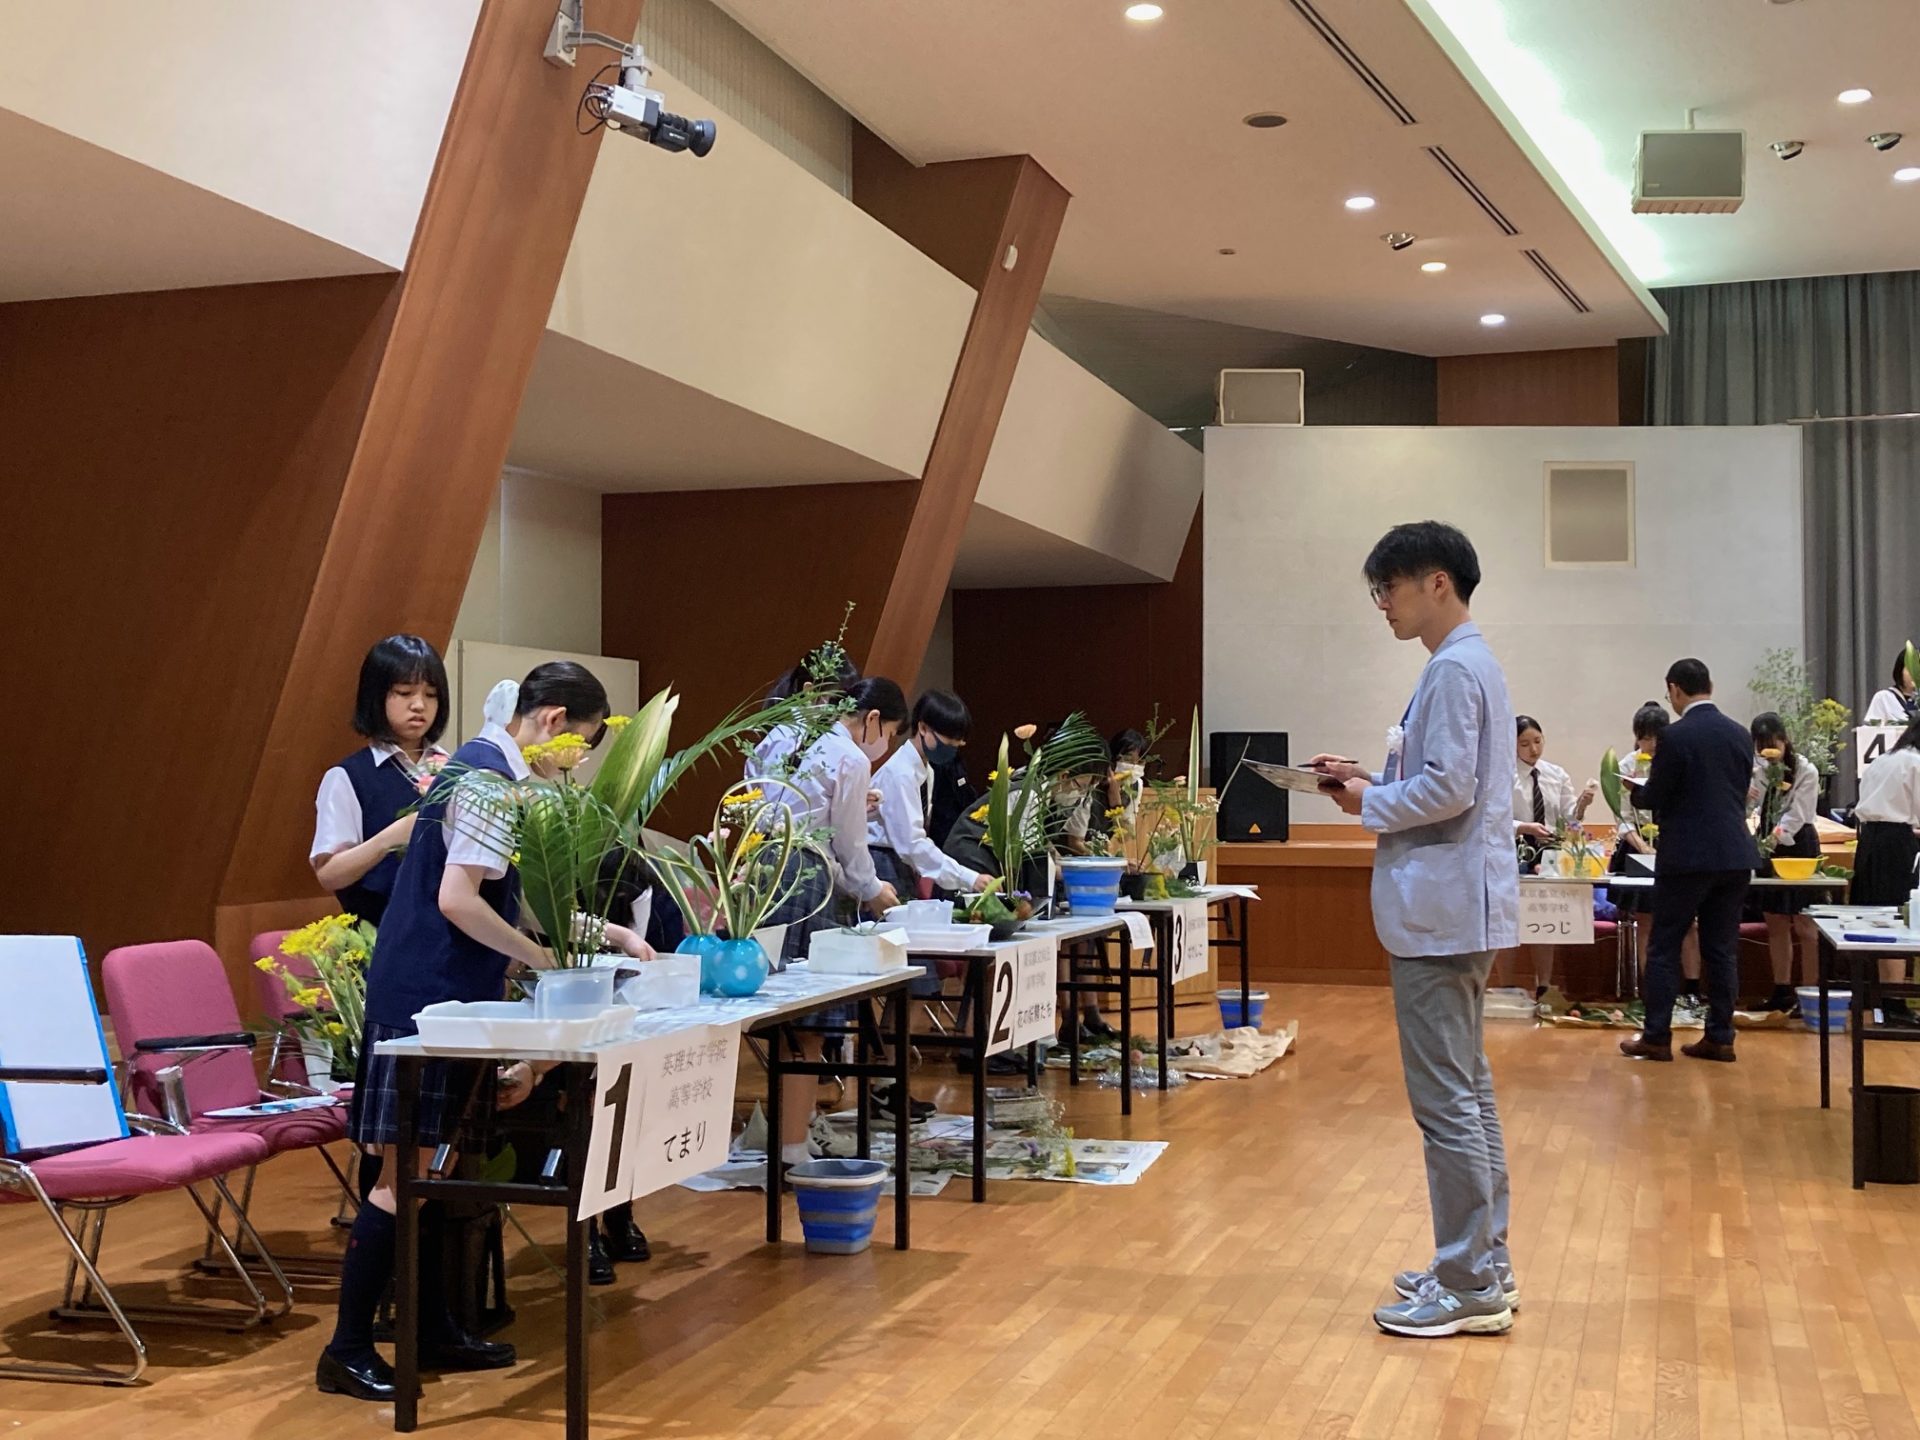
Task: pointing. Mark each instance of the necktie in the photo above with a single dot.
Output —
(1539, 800)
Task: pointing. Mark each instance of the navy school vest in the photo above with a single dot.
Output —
(383, 789)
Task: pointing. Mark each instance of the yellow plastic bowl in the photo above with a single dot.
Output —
(1795, 869)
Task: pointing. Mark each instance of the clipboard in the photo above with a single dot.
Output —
(1289, 777)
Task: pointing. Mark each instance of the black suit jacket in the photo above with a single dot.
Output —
(1697, 790)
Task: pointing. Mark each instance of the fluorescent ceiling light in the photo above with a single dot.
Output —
(1854, 97)
(1359, 202)
(1493, 319)
(1144, 13)
(1434, 267)
(1907, 172)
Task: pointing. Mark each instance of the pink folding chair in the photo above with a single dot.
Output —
(177, 1023)
(67, 1145)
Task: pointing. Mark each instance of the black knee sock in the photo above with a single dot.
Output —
(369, 1176)
(364, 1274)
(436, 1316)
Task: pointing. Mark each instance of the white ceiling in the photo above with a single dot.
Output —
(1585, 79)
(1143, 125)
(79, 220)
(605, 423)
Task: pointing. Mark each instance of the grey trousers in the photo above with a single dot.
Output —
(1438, 1003)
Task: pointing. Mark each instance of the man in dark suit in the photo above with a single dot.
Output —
(1697, 790)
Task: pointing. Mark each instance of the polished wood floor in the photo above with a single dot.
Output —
(1693, 1258)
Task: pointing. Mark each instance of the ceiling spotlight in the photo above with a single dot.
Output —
(1144, 13)
(1229, 250)
(1265, 120)
(1884, 139)
(1854, 97)
(1359, 202)
(1434, 267)
(1399, 239)
(1788, 149)
(1493, 319)
(1907, 173)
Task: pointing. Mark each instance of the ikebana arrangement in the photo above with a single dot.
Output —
(328, 982)
(1026, 811)
(1817, 728)
(1174, 837)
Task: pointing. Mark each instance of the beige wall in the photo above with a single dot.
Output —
(536, 579)
(327, 116)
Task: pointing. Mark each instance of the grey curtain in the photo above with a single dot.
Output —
(1770, 351)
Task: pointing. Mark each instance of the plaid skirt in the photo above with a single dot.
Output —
(438, 1100)
(814, 893)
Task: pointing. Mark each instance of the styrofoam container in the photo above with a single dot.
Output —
(666, 982)
(949, 939)
(512, 1025)
(919, 915)
(845, 952)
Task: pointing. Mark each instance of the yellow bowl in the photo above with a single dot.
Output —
(1795, 869)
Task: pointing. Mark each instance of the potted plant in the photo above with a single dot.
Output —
(1026, 811)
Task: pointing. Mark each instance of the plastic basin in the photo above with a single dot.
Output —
(838, 1200)
(1093, 883)
(1230, 1016)
(1839, 1002)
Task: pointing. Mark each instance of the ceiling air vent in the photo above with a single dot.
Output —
(1554, 278)
(1351, 57)
(1474, 192)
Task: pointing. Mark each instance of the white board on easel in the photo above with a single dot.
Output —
(48, 1021)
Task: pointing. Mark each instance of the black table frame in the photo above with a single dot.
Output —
(1234, 915)
(1863, 977)
(573, 1141)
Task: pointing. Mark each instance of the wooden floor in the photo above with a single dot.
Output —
(1693, 1259)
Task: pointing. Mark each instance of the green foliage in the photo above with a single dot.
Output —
(1816, 728)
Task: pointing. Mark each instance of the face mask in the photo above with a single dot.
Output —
(938, 752)
(874, 749)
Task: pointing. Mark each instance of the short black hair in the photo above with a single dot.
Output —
(1524, 723)
(1900, 669)
(1690, 677)
(944, 713)
(565, 683)
(877, 692)
(1650, 720)
(1127, 742)
(1416, 550)
(399, 660)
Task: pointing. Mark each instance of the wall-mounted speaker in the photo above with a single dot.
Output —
(1262, 397)
(1250, 808)
(1690, 172)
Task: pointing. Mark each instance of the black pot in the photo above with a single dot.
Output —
(1133, 885)
(1190, 872)
(1004, 930)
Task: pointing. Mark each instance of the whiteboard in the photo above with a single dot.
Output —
(48, 1020)
(478, 665)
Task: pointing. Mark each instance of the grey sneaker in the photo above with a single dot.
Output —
(1407, 1284)
(1439, 1311)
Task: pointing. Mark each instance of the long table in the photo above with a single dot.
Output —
(1858, 961)
(787, 996)
(1232, 902)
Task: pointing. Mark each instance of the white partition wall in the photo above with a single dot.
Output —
(1293, 643)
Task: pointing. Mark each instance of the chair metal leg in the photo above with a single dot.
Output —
(78, 1261)
(301, 1267)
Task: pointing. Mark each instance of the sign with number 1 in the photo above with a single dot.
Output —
(618, 1085)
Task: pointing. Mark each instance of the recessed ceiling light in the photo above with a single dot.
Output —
(1854, 97)
(1359, 202)
(1229, 250)
(1493, 319)
(1907, 172)
(1265, 120)
(1434, 267)
(1144, 13)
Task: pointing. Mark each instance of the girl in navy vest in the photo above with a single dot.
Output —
(450, 934)
(359, 832)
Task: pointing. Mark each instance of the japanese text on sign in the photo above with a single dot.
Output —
(1189, 948)
(1555, 914)
(663, 1111)
(1022, 995)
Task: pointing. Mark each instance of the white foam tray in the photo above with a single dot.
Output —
(513, 1025)
(949, 939)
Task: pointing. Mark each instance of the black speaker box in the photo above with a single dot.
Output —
(1250, 808)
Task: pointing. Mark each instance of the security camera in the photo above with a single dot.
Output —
(1398, 239)
(636, 110)
(1885, 139)
(1788, 149)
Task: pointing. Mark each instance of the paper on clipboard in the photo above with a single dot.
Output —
(1289, 777)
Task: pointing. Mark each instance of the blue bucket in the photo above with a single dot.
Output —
(1093, 883)
(1839, 1004)
(838, 1200)
(1230, 1017)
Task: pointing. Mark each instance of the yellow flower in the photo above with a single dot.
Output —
(1116, 812)
(307, 997)
(565, 751)
(979, 816)
(619, 722)
(1773, 753)
(751, 842)
(1645, 757)
(514, 859)
(992, 775)
(746, 797)
(265, 966)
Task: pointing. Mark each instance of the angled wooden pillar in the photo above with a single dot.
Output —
(993, 223)
(437, 420)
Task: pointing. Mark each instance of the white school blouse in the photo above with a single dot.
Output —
(905, 784)
(834, 777)
(1556, 787)
(1890, 790)
(1886, 708)
(1803, 795)
(338, 824)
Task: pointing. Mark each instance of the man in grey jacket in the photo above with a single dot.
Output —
(1446, 896)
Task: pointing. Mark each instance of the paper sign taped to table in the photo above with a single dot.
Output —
(1139, 932)
(662, 1111)
(619, 1082)
(1022, 995)
(1555, 914)
(1189, 939)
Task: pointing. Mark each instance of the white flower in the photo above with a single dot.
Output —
(1396, 739)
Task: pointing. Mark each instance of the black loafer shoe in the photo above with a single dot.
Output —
(625, 1241)
(599, 1263)
(466, 1352)
(358, 1380)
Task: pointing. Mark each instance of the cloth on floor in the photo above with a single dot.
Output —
(1231, 1054)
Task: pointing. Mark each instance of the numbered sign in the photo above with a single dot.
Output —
(1555, 914)
(1870, 742)
(686, 1119)
(1022, 995)
(619, 1082)
(1189, 951)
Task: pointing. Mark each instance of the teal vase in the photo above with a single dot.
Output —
(739, 967)
(705, 947)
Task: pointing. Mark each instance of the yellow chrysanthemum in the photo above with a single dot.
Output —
(979, 815)
(1645, 757)
(265, 966)
(746, 797)
(1773, 752)
(751, 842)
(619, 722)
(564, 751)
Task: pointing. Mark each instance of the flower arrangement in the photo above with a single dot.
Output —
(1816, 728)
(1775, 783)
(333, 996)
(563, 836)
(1026, 813)
(1582, 855)
(755, 859)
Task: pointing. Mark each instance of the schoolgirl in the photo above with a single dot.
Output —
(1790, 803)
(1893, 704)
(359, 831)
(774, 755)
(903, 853)
(1544, 801)
(449, 934)
(1883, 863)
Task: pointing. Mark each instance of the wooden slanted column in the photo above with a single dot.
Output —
(976, 217)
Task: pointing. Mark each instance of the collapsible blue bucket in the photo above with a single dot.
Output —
(1839, 1006)
(838, 1200)
(1230, 1017)
(1093, 882)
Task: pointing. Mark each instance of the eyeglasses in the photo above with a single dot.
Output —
(1381, 589)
